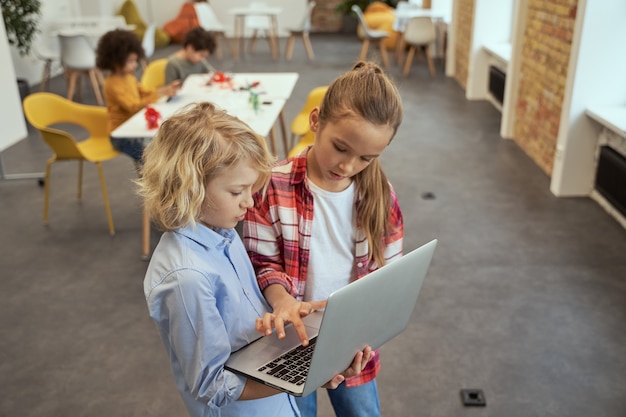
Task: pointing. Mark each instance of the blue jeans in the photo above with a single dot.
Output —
(361, 401)
(131, 147)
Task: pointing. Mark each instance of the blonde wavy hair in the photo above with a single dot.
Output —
(189, 150)
(367, 92)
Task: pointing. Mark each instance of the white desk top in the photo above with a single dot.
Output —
(613, 118)
(501, 50)
(273, 88)
(235, 103)
(253, 11)
(271, 85)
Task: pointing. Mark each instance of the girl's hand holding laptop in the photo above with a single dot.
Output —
(356, 367)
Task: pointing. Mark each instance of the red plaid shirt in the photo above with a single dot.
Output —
(277, 235)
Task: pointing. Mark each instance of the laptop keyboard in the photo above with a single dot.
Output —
(292, 366)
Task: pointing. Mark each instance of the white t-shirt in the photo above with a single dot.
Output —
(331, 255)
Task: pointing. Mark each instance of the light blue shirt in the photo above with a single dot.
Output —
(202, 293)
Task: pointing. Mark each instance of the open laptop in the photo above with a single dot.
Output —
(367, 312)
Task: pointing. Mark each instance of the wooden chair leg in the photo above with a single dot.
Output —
(307, 46)
(45, 76)
(71, 86)
(429, 58)
(283, 131)
(224, 41)
(252, 42)
(409, 60)
(105, 196)
(99, 76)
(79, 84)
(272, 40)
(289, 47)
(273, 140)
(383, 53)
(96, 86)
(219, 38)
(399, 52)
(364, 47)
(272, 36)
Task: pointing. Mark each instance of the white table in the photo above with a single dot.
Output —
(612, 118)
(500, 51)
(240, 14)
(271, 84)
(236, 103)
(273, 88)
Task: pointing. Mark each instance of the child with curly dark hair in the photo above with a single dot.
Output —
(198, 45)
(119, 52)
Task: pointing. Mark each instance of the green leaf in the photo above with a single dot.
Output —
(21, 20)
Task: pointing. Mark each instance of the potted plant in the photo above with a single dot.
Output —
(21, 20)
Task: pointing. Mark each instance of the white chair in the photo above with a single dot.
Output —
(148, 44)
(371, 35)
(210, 22)
(46, 48)
(258, 24)
(419, 32)
(78, 58)
(303, 30)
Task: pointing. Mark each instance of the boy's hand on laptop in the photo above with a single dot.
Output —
(288, 310)
(356, 367)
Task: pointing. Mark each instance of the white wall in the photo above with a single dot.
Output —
(492, 24)
(30, 67)
(157, 11)
(596, 77)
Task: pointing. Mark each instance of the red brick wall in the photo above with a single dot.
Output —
(544, 63)
(463, 40)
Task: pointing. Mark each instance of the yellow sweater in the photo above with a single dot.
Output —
(124, 97)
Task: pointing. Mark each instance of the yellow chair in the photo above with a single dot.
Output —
(300, 123)
(131, 15)
(154, 74)
(46, 109)
(306, 140)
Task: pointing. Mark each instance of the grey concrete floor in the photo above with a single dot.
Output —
(525, 299)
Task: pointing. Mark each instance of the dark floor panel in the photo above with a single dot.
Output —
(526, 297)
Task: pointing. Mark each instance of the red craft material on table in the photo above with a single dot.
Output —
(152, 117)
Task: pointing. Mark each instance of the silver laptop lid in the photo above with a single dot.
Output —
(369, 311)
